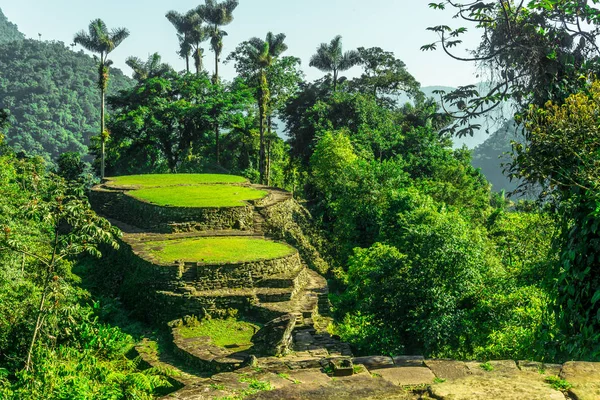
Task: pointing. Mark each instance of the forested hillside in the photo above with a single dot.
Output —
(52, 95)
(8, 31)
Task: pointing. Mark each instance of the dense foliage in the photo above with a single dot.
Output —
(48, 325)
(8, 31)
(52, 95)
(426, 257)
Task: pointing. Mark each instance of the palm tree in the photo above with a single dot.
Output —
(263, 54)
(144, 70)
(217, 15)
(191, 34)
(331, 58)
(100, 40)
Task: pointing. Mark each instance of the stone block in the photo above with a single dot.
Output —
(407, 376)
(374, 362)
(448, 369)
(341, 366)
(408, 361)
(275, 337)
(585, 378)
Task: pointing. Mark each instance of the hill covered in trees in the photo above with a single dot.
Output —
(8, 31)
(51, 93)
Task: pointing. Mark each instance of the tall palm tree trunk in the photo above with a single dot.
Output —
(335, 79)
(262, 110)
(102, 136)
(216, 68)
(218, 151)
(187, 63)
(269, 140)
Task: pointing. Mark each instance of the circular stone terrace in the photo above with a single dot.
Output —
(180, 202)
(188, 190)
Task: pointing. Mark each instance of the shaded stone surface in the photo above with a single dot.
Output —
(534, 366)
(409, 361)
(275, 337)
(448, 369)
(374, 362)
(585, 378)
(407, 376)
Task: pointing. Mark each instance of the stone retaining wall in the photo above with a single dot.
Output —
(119, 205)
(238, 275)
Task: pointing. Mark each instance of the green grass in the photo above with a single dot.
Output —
(223, 332)
(150, 181)
(486, 366)
(217, 250)
(201, 196)
(558, 384)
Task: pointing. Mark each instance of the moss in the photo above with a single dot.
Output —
(201, 196)
(158, 180)
(224, 333)
(217, 250)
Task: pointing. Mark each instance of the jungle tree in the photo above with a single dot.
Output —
(531, 52)
(253, 59)
(191, 33)
(217, 15)
(100, 40)
(143, 70)
(330, 57)
(74, 228)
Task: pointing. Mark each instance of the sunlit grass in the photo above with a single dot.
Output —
(202, 196)
(150, 181)
(224, 333)
(217, 250)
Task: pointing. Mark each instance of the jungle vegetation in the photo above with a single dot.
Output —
(425, 257)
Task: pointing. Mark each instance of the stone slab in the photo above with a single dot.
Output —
(409, 361)
(520, 386)
(448, 369)
(374, 362)
(544, 369)
(585, 378)
(407, 376)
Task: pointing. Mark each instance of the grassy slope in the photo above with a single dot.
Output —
(152, 181)
(228, 332)
(217, 249)
(199, 196)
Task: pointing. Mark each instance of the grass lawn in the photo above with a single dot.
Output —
(217, 250)
(199, 196)
(149, 181)
(223, 332)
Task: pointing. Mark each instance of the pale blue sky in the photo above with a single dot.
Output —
(394, 25)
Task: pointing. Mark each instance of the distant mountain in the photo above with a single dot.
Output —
(8, 31)
(495, 151)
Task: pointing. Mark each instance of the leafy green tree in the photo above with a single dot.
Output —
(143, 70)
(159, 122)
(70, 166)
(560, 155)
(100, 40)
(217, 15)
(74, 229)
(253, 60)
(331, 58)
(191, 33)
(532, 51)
(385, 77)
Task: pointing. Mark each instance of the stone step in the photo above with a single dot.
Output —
(295, 279)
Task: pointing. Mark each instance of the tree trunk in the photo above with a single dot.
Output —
(216, 80)
(218, 153)
(262, 110)
(269, 132)
(102, 136)
(335, 78)
(187, 63)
